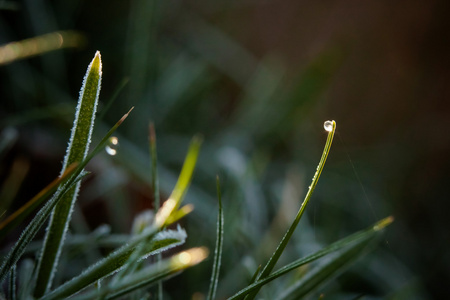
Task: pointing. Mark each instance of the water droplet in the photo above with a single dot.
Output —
(111, 148)
(328, 125)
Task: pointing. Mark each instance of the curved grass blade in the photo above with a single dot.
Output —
(30, 231)
(355, 241)
(276, 255)
(77, 150)
(218, 249)
(149, 275)
(18, 216)
(113, 263)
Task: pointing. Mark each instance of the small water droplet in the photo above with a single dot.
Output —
(328, 125)
(111, 148)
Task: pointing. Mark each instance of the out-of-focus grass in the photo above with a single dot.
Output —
(188, 75)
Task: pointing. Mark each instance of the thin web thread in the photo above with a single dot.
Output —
(366, 197)
(369, 203)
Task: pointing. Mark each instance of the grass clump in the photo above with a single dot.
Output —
(127, 271)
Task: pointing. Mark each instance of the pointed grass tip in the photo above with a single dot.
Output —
(96, 63)
(124, 116)
(383, 223)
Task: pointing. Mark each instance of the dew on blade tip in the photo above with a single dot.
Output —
(328, 125)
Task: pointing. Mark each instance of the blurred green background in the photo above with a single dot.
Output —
(257, 79)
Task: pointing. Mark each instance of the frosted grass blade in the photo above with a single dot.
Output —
(330, 126)
(31, 230)
(149, 275)
(355, 241)
(77, 150)
(114, 262)
(12, 284)
(218, 249)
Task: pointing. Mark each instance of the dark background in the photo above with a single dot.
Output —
(257, 79)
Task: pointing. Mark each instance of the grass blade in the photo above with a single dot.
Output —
(77, 151)
(171, 205)
(155, 186)
(12, 283)
(25, 275)
(218, 249)
(324, 272)
(39, 45)
(330, 126)
(354, 241)
(31, 230)
(150, 275)
(112, 263)
(18, 216)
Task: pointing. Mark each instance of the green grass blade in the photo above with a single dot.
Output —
(154, 157)
(284, 241)
(354, 241)
(25, 275)
(114, 262)
(177, 195)
(155, 186)
(12, 284)
(77, 151)
(218, 249)
(324, 272)
(37, 222)
(150, 275)
(18, 216)
(31, 230)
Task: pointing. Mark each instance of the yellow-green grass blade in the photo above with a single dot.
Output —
(330, 126)
(171, 205)
(40, 45)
